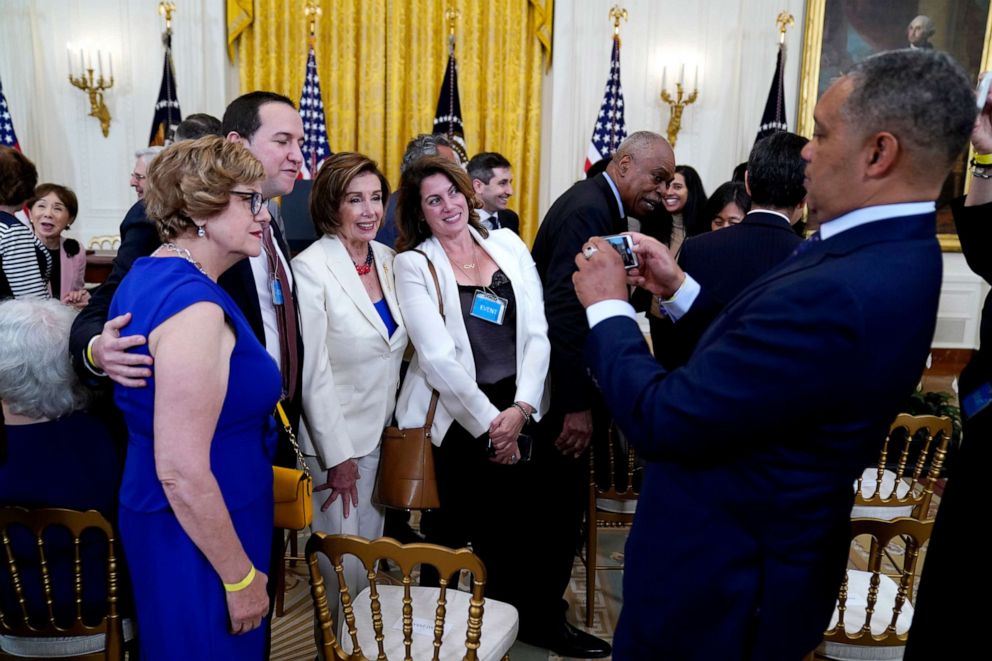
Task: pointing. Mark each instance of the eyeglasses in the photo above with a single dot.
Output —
(256, 199)
(139, 177)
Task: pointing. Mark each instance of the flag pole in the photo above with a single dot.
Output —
(316, 146)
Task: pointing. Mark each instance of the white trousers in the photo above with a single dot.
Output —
(365, 520)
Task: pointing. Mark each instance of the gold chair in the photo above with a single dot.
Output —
(610, 504)
(885, 494)
(874, 611)
(108, 242)
(407, 621)
(22, 635)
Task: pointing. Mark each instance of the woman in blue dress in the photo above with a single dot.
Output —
(196, 497)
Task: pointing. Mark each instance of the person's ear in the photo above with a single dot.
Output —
(882, 154)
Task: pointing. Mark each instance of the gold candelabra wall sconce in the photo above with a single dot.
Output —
(679, 100)
(93, 83)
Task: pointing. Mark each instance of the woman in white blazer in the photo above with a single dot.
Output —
(488, 359)
(52, 210)
(355, 339)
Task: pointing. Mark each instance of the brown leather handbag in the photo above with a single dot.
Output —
(406, 477)
(292, 489)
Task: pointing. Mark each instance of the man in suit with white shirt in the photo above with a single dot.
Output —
(753, 446)
(492, 179)
(726, 262)
(634, 182)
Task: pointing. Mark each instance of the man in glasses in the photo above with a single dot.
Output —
(142, 159)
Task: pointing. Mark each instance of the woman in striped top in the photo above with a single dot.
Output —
(25, 263)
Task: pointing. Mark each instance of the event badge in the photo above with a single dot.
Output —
(277, 297)
(488, 307)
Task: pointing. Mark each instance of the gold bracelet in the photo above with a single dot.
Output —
(243, 583)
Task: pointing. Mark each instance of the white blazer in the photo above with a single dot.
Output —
(351, 368)
(444, 357)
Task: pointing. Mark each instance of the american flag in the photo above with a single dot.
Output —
(167, 113)
(773, 119)
(610, 129)
(448, 116)
(315, 142)
(7, 136)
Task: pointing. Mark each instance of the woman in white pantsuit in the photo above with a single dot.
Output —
(355, 340)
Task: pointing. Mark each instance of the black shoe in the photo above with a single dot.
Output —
(567, 640)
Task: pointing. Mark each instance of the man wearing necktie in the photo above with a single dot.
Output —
(754, 445)
(633, 183)
(492, 179)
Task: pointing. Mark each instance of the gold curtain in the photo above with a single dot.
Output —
(381, 64)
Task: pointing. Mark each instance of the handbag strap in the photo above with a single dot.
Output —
(435, 395)
(281, 414)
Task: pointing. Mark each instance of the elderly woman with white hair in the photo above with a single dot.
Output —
(55, 454)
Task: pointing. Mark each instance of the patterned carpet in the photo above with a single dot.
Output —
(292, 634)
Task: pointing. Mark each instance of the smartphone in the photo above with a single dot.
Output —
(525, 444)
(624, 245)
(982, 91)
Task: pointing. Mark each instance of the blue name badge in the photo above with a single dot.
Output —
(277, 297)
(488, 307)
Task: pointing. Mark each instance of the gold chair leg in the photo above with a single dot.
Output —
(591, 559)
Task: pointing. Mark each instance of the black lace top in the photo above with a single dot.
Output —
(494, 347)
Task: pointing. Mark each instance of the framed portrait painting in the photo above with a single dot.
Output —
(840, 33)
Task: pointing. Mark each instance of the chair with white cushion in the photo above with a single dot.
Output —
(406, 621)
(874, 610)
(57, 557)
(883, 493)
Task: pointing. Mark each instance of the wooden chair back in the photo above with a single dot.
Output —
(37, 522)
(448, 562)
(911, 443)
(890, 605)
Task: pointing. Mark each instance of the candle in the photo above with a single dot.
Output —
(695, 79)
(68, 59)
(110, 56)
(682, 75)
(89, 61)
(82, 62)
(99, 61)
(664, 78)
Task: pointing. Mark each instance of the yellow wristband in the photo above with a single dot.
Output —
(243, 583)
(90, 364)
(983, 159)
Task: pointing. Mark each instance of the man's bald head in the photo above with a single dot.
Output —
(641, 168)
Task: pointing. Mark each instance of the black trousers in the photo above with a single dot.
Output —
(511, 515)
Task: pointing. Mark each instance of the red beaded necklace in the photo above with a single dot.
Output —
(366, 267)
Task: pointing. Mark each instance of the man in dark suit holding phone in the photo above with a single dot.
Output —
(754, 445)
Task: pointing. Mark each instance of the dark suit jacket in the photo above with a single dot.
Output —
(388, 232)
(509, 219)
(741, 534)
(942, 604)
(139, 238)
(587, 209)
(723, 263)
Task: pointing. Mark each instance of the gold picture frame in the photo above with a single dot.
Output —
(847, 17)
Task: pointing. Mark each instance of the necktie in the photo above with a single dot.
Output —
(494, 221)
(282, 301)
(806, 245)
